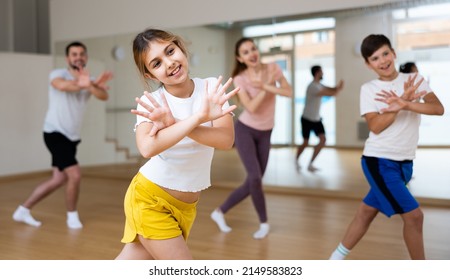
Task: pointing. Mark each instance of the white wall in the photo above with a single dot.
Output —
(87, 18)
(23, 103)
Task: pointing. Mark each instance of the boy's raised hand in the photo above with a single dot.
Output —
(395, 102)
(410, 87)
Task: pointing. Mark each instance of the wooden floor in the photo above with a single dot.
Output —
(308, 212)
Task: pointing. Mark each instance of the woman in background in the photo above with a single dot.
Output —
(259, 84)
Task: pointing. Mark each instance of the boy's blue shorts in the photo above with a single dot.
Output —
(388, 181)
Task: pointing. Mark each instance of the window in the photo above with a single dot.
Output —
(275, 43)
(426, 41)
(289, 27)
(320, 37)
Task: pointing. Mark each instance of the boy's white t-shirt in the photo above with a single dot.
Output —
(399, 140)
(185, 166)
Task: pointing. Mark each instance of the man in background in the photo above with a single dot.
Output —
(311, 120)
(69, 91)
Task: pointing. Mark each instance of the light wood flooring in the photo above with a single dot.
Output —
(308, 212)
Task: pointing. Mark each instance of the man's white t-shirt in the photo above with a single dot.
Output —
(65, 109)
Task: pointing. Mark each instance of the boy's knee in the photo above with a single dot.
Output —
(414, 217)
(367, 213)
(417, 214)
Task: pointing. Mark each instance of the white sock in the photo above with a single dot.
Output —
(340, 253)
(262, 231)
(73, 221)
(23, 215)
(297, 166)
(217, 216)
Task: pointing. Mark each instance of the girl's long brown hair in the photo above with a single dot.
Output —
(238, 66)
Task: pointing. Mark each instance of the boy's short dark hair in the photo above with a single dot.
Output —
(75, 44)
(372, 43)
(315, 69)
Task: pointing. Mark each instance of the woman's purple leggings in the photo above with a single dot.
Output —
(253, 147)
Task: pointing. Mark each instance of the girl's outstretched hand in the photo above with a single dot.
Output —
(160, 114)
(214, 100)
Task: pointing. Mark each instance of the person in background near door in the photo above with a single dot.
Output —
(408, 67)
(69, 91)
(311, 120)
(259, 84)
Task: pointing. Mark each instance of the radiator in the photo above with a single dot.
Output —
(363, 131)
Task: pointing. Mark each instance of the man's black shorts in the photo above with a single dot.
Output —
(63, 150)
(308, 126)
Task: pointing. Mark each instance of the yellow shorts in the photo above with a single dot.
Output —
(154, 214)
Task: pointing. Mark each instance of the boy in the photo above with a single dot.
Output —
(391, 106)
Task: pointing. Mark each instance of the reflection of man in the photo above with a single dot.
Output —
(69, 90)
(311, 120)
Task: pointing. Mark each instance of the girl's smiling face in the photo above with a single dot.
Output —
(166, 63)
(382, 62)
